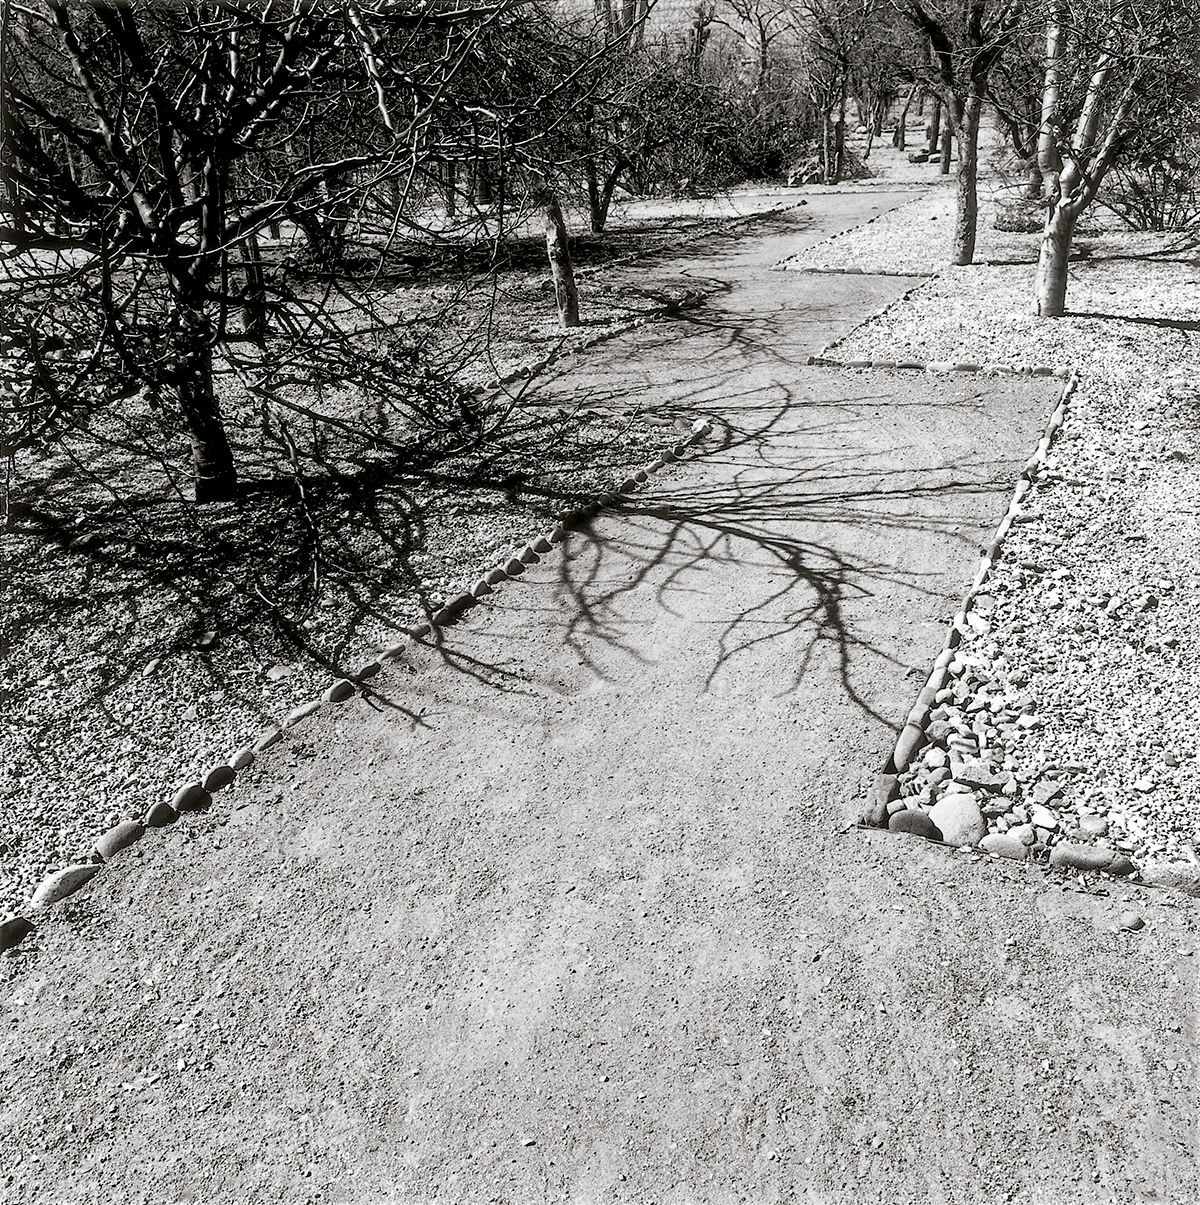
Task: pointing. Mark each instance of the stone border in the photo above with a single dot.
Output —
(884, 794)
(858, 272)
(197, 796)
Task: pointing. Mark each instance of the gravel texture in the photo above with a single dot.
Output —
(1089, 629)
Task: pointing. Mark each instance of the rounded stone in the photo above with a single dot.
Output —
(419, 631)
(514, 568)
(242, 758)
(529, 555)
(557, 534)
(495, 576)
(14, 930)
(912, 737)
(1131, 922)
(1178, 876)
(1005, 845)
(193, 797)
(875, 812)
(1081, 857)
(641, 476)
(680, 451)
(453, 609)
(299, 714)
(542, 544)
(119, 837)
(917, 823)
(481, 589)
(655, 465)
(160, 815)
(628, 486)
(218, 777)
(272, 736)
(959, 818)
(361, 675)
(62, 883)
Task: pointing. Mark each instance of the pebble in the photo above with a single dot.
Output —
(242, 758)
(1089, 857)
(1131, 922)
(299, 714)
(119, 837)
(1043, 817)
(960, 820)
(13, 931)
(218, 777)
(918, 823)
(272, 736)
(1005, 845)
(160, 815)
(193, 797)
(1093, 826)
(62, 883)
(339, 691)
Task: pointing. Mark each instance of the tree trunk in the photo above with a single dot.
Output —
(558, 251)
(947, 148)
(934, 129)
(1033, 182)
(900, 138)
(212, 457)
(1051, 289)
(967, 212)
(450, 183)
(254, 293)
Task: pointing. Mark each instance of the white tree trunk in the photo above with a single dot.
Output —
(1051, 288)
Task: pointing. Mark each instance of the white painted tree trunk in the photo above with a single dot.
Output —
(1051, 289)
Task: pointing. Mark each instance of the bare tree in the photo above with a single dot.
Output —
(965, 40)
(1110, 68)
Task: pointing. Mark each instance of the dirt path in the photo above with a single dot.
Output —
(565, 914)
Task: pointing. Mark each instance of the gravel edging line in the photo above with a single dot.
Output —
(525, 371)
(855, 271)
(783, 264)
(198, 796)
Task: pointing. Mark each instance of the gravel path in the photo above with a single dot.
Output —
(560, 914)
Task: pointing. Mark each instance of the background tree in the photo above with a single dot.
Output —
(1113, 72)
(964, 39)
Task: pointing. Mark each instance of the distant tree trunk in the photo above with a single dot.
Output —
(558, 251)
(947, 148)
(450, 182)
(967, 213)
(900, 138)
(934, 129)
(254, 293)
(600, 195)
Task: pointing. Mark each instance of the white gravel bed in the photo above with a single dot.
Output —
(913, 238)
(1093, 619)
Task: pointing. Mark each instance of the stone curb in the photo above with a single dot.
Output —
(197, 796)
(854, 271)
(948, 367)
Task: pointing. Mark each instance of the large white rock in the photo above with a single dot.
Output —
(959, 818)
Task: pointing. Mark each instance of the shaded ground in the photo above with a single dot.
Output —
(564, 914)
